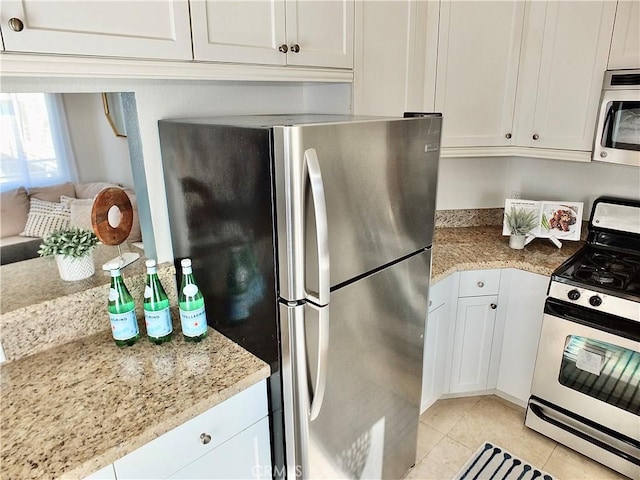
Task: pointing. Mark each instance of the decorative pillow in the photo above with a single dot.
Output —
(52, 193)
(45, 217)
(80, 209)
(14, 206)
(90, 190)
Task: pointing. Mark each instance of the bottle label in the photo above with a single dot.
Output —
(124, 325)
(193, 322)
(158, 322)
(190, 290)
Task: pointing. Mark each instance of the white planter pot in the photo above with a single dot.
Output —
(517, 241)
(72, 269)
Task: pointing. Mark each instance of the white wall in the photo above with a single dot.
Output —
(100, 155)
(486, 182)
(157, 99)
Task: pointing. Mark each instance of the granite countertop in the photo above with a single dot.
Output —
(70, 410)
(484, 247)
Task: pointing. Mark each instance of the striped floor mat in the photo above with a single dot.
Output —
(495, 463)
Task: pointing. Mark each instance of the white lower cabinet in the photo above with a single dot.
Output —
(231, 440)
(482, 333)
(524, 307)
(475, 323)
(106, 473)
(436, 361)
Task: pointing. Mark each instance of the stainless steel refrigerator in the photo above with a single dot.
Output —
(311, 239)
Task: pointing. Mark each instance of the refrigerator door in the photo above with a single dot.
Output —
(356, 195)
(352, 402)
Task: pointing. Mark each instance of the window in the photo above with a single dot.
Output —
(34, 141)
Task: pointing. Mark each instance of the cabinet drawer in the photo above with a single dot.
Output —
(479, 282)
(179, 447)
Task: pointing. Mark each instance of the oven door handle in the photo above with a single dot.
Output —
(540, 414)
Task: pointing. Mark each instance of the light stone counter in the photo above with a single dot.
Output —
(39, 311)
(73, 409)
(484, 247)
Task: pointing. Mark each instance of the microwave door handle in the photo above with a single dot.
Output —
(315, 403)
(322, 231)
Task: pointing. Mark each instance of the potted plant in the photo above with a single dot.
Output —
(73, 250)
(520, 222)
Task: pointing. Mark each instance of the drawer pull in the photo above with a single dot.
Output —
(205, 438)
(493, 306)
(480, 284)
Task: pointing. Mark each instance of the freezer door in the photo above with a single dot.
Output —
(351, 197)
(352, 399)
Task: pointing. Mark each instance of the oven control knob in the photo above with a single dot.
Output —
(573, 294)
(595, 301)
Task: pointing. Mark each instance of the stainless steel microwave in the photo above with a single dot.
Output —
(617, 138)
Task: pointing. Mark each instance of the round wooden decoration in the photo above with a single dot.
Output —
(105, 200)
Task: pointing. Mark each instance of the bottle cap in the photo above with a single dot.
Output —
(150, 263)
(185, 262)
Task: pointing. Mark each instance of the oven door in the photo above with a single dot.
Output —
(587, 370)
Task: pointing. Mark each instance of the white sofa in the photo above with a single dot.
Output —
(27, 217)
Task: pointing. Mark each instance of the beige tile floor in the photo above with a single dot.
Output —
(453, 429)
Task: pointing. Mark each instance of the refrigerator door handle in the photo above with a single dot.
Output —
(322, 230)
(315, 404)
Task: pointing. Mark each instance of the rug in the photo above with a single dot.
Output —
(496, 463)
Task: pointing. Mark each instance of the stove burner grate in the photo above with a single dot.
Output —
(613, 270)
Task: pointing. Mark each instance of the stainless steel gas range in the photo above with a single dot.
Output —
(586, 386)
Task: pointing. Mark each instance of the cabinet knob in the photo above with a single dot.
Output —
(480, 284)
(508, 135)
(205, 438)
(295, 48)
(536, 136)
(16, 24)
(493, 306)
(283, 48)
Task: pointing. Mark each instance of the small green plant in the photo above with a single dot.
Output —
(74, 242)
(521, 221)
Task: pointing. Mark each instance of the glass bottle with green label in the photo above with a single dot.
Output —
(157, 316)
(193, 318)
(122, 310)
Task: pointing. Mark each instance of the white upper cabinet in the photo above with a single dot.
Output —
(390, 55)
(320, 33)
(477, 71)
(232, 31)
(625, 44)
(157, 29)
(524, 77)
(274, 32)
(561, 71)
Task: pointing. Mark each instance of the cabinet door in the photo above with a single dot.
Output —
(565, 55)
(149, 29)
(106, 473)
(475, 322)
(478, 53)
(625, 44)
(243, 32)
(390, 50)
(247, 455)
(434, 365)
(523, 306)
(323, 32)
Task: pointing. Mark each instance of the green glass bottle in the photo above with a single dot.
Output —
(157, 317)
(122, 310)
(193, 318)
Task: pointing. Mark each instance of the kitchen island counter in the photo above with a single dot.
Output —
(70, 410)
(484, 247)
